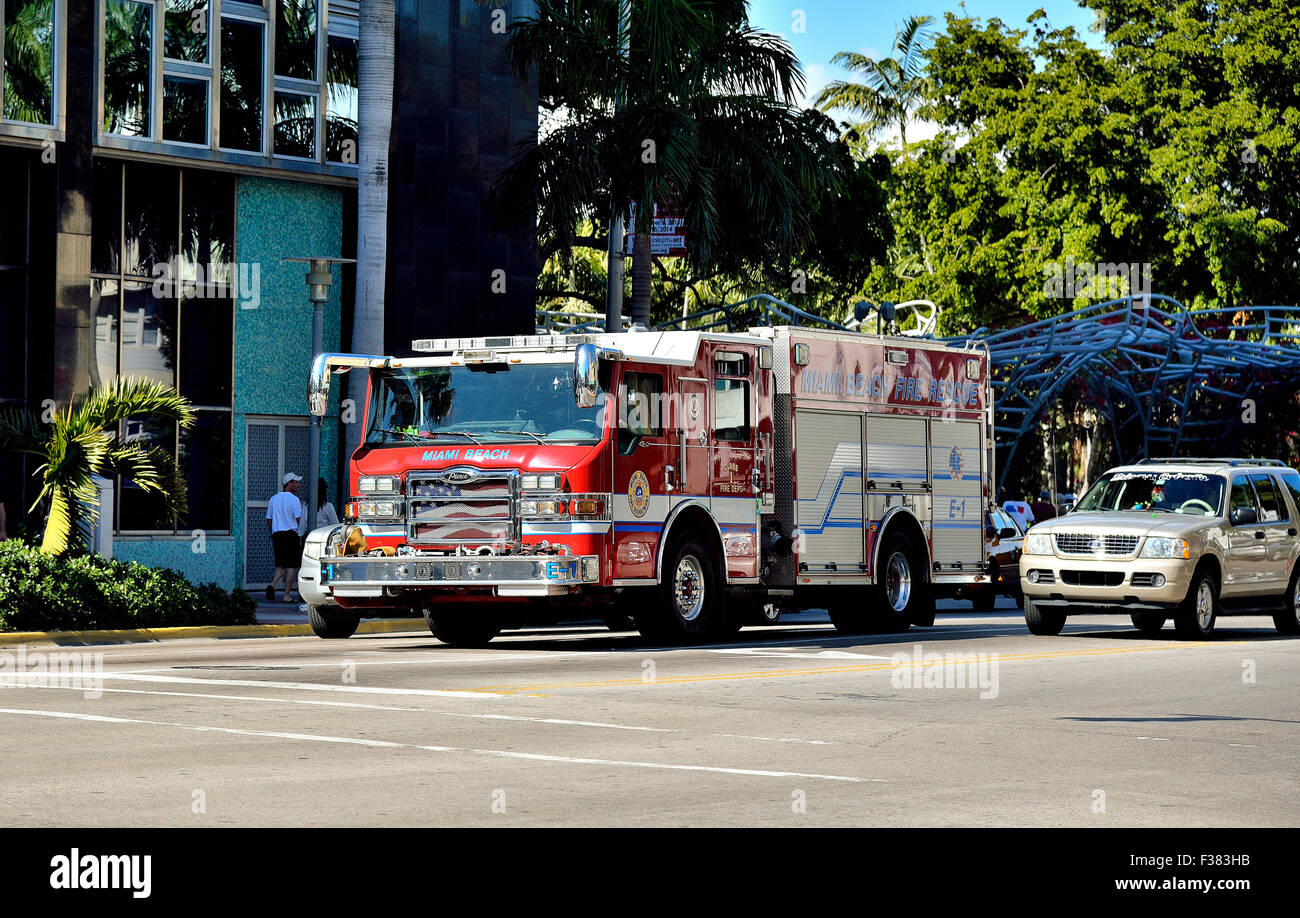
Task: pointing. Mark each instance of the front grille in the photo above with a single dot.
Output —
(460, 505)
(1092, 578)
(1079, 543)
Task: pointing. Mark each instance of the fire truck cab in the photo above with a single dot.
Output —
(686, 478)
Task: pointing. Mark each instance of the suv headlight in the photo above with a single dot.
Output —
(1038, 543)
(1166, 548)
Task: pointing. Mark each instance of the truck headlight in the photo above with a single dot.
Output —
(542, 508)
(1166, 548)
(1038, 543)
(377, 509)
(379, 484)
(539, 482)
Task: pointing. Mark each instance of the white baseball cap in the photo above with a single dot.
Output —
(290, 476)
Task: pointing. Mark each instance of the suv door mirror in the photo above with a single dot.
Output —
(1243, 516)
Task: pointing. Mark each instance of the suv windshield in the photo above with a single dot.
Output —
(491, 403)
(1193, 493)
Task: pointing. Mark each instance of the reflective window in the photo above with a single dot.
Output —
(185, 110)
(29, 61)
(295, 39)
(341, 101)
(176, 329)
(731, 409)
(1272, 508)
(128, 36)
(1243, 495)
(186, 32)
(295, 125)
(241, 84)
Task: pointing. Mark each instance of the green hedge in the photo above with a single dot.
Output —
(76, 593)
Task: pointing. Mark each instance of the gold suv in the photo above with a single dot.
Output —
(1187, 539)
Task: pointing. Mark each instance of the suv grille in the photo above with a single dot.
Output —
(1078, 543)
(460, 505)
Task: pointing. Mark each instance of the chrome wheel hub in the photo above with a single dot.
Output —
(688, 588)
(898, 582)
(1204, 606)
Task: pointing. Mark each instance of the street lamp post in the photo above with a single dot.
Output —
(319, 279)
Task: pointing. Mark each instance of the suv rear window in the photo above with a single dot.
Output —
(1292, 482)
(1272, 508)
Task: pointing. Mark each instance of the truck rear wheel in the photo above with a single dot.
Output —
(1042, 621)
(901, 596)
(457, 627)
(689, 602)
(334, 625)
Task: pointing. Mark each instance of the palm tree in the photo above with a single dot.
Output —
(28, 41)
(893, 86)
(706, 123)
(377, 39)
(83, 442)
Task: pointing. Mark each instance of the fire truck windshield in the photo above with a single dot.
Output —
(491, 403)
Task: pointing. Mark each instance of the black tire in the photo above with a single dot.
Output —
(1043, 621)
(984, 600)
(619, 621)
(1287, 621)
(689, 604)
(1148, 622)
(1195, 618)
(334, 625)
(1018, 597)
(762, 613)
(893, 604)
(457, 627)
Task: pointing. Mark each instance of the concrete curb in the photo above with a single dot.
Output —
(220, 632)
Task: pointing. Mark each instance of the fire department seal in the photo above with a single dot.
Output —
(638, 494)
(956, 463)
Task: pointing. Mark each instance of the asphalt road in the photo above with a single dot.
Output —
(784, 726)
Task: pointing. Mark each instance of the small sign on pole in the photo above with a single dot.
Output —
(667, 232)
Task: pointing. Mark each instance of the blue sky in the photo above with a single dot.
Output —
(869, 26)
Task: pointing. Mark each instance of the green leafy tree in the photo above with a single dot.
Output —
(891, 88)
(83, 442)
(687, 106)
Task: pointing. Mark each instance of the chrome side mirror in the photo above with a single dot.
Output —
(586, 372)
(318, 380)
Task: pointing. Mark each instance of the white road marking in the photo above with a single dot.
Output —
(302, 686)
(779, 739)
(385, 744)
(332, 704)
(823, 655)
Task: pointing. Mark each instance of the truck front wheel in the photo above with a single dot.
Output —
(333, 625)
(688, 603)
(457, 627)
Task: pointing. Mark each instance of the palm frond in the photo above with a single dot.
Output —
(153, 471)
(21, 432)
(122, 398)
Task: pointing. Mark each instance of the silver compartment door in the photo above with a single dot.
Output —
(956, 458)
(828, 460)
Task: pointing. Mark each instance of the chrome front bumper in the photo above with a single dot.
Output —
(545, 575)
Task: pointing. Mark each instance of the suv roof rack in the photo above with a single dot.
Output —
(1208, 460)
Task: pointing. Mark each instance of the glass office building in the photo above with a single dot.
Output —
(161, 160)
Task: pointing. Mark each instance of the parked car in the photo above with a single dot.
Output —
(1004, 542)
(1187, 539)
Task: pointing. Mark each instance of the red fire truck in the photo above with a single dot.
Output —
(691, 480)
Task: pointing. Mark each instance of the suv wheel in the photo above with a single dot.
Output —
(1288, 620)
(1195, 618)
(1043, 621)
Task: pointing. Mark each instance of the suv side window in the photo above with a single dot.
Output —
(1243, 495)
(1272, 508)
(1292, 481)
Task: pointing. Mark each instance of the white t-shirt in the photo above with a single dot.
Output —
(284, 510)
(326, 515)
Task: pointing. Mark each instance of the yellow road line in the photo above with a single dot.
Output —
(823, 670)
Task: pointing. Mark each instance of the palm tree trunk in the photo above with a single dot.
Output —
(641, 266)
(377, 39)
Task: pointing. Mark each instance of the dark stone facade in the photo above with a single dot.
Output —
(458, 114)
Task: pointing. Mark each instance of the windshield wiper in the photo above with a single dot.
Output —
(523, 433)
(457, 433)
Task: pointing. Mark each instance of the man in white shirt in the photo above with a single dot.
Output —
(283, 513)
